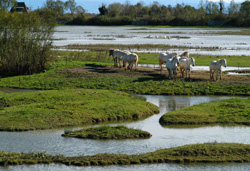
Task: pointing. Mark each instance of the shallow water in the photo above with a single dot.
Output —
(51, 141)
(197, 42)
(153, 167)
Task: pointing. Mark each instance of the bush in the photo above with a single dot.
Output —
(25, 43)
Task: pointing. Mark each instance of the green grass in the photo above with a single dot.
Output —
(199, 153)
(148, 58)
(108, 132)
(61, 108)
(232, 111)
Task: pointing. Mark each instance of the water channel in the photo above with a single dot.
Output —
(51, 141)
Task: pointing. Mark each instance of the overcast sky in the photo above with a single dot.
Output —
(92, 6)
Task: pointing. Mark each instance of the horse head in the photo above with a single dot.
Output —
(111, 52)
(193, 61)
(224, 62)
(176, 59)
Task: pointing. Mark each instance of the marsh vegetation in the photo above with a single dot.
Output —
(62, 108)
(232, 111)
(206, 153)
(108, 132)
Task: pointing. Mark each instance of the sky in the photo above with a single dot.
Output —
(91, 6)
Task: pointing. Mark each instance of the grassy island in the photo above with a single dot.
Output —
(108, 132)
(60, 108)
(199, 153)
(232, 111)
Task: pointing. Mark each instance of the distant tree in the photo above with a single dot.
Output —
(5, 5)
(114, 9)
(245, 8)
(56, 7)
(245, 13)
(103, 10)
(222, 6)
(233, 8)
(80, 10)
(71, 5)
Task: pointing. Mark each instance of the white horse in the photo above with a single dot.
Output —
(163, 57)
(185, 65)
(119, 55)
(172, 65)
(216, 66)
(130, 58)
(111, 53)
(185, 54)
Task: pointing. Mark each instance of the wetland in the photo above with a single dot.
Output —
(94, 70)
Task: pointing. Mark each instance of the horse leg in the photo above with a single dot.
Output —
(174, 73)
(160, 66)
(217, 72)
(125, 64)
(220, 75)
(170, 75)
(131, 66)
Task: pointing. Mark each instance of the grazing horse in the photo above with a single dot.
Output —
(119, 55)
(130, 58)
(163, 57)
(172, 65)
(111, 53)
(185, 66)
(216, 66)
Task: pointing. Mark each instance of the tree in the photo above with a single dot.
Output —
(114, 9)
(80, 10)
(103, 10)
(56, 7)
(222, 6)
(245, 8)
(71, 5)
(233, 8)
(6, 4)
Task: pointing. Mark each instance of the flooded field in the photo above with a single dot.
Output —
(196, 40)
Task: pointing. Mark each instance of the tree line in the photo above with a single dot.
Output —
(156, 14)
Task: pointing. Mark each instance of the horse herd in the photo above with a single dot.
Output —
(173, 61)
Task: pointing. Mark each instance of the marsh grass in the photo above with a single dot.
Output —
(108, 132)
(232, 111)
(198, 153)
(61, 108)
